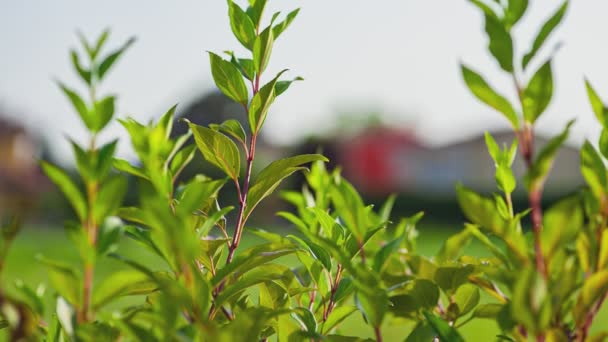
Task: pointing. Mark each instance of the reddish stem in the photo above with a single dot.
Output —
(378, 334)
(240, 223)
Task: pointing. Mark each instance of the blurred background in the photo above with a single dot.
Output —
(382, 97)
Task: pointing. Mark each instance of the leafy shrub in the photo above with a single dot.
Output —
(351, 260)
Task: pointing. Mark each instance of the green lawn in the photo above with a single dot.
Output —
(22, 264)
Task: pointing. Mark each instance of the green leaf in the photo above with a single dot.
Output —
(538, 93)
(255, 11)
(466, 297)
(307, 318)
(260, 104)
(444, 331)
(125, 166)
(109, 235)
(110, 197)
(544, 33)
(241, 24)
(64, 280)
(212, 220)
(84, 74)
(251, 258)
(69, 189)
(417, 295)
(500, 42)
(515, 11)
(338, 315)
(272, 175)
(450, 278)
(423, 332)
(262, 49)
(316, 251)
(603, 143)
(374, 305)
(279, 28)
(104, 111)
(233, 128)
(218, 150)
(454, 245)
(228, 79)
(593, 170)
(119, 284)
(260, 274)
(537, 174)
(561, 223)
(600, 111)
(488, 311)
(531, 303)
(482, 90)
(385, 252)
(103, 37)
(480, 210)
(282, 86)
(594, 288)
(109, 60)
(181, 159)
(80, 106)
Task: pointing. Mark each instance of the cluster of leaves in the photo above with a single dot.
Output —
(349, 260)
(550, 282)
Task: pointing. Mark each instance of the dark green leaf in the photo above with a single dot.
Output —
(385, 252)
(260, 104)
(80, 106)
(482, 90)
(282, 26)
(255, 11)
(466, 297)
(600, 111)
(489, 311)
(218, 150)
(262, 49)
(538, 93)
(109, 60)
(539, 171)
(84, 74)
(423, 332)
(515, 11)
(444, 331)
(593, 170)
(544, 33)
(500, 43)
(228, 79)
(241, 24)
(182, 159)
(104, 110)
(232, 127)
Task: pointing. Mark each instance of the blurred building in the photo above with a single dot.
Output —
(381, 160)
(21, 180)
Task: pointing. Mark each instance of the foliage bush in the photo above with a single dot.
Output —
(352, 260)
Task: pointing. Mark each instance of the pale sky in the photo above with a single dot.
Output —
(399, 56)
